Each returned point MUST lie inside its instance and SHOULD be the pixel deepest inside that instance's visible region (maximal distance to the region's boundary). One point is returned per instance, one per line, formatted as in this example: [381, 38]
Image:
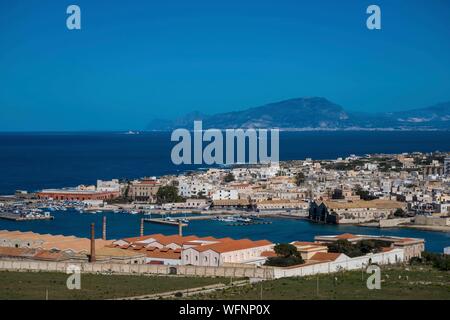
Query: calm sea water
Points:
[281, 230]
[35, 161]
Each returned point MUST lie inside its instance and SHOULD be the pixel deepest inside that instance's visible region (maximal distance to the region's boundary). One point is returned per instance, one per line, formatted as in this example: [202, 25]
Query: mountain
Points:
[314, 113]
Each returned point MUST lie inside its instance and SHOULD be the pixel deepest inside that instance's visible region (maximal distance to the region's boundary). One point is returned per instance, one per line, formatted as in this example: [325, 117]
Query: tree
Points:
[399, 213]
[337, 194]
[358, 249]
[287, 255]
[364, 194]
[286, 250]
[167, 194]
[229, 177]
[300, 178]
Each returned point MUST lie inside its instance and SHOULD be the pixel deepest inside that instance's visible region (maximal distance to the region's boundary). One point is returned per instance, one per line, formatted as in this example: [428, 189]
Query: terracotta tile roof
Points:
[268, 254]
[58, 242]
[50, 256]
[16, 252]
[116, 252]
[345, 236]
[325, 256]
[169, 254]
[34, 254]
[233, 245]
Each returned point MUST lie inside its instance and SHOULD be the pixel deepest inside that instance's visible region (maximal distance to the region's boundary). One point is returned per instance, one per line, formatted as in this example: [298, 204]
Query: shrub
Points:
[287, 255]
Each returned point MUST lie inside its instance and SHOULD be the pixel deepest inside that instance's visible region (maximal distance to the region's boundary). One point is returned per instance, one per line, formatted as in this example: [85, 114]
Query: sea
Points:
[33, 161]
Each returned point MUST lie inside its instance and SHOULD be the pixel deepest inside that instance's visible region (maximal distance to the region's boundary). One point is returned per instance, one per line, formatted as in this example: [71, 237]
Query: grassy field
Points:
[34, 285]
[397, 284]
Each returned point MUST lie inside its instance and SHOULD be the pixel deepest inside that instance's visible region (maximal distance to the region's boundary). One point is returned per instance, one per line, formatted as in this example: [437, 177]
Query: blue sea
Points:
[32, 161]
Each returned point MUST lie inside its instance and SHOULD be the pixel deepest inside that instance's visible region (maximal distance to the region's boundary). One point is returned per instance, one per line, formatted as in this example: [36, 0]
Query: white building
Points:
[189, 189]
[225, 194]
[108, 186]
[231, 251]
[447, 166]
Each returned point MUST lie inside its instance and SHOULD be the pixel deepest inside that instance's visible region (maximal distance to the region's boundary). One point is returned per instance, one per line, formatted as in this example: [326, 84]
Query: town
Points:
[380, 190]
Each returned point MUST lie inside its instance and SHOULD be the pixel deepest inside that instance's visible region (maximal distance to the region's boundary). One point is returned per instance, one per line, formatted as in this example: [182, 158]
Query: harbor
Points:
[72, 222]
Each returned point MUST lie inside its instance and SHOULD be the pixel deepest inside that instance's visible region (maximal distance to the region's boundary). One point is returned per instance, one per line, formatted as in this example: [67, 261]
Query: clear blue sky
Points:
[137, 60]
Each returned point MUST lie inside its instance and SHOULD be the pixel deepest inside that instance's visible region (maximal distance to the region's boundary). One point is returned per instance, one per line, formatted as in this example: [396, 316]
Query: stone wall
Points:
[432, 221]
[143, 269]
[387, 223]
[391, 257]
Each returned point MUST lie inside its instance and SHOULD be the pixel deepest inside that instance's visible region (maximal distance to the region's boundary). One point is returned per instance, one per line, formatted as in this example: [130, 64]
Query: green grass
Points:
[412, 282]
[398, 283]
[33, 285]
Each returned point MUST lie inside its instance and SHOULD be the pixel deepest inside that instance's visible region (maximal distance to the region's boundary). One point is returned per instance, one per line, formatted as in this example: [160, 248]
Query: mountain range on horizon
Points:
[314, 113]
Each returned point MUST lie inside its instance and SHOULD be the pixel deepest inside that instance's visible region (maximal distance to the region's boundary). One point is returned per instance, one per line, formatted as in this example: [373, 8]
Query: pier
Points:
[162, 221]
[16, 217]
[240, 224]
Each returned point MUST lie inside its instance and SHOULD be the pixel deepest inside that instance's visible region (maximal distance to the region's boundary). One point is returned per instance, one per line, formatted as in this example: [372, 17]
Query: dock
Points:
[239, 224]
[16, 217]
[162, 221]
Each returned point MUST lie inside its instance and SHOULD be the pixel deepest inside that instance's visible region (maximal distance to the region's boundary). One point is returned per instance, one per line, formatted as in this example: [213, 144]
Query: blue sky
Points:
[138, 60]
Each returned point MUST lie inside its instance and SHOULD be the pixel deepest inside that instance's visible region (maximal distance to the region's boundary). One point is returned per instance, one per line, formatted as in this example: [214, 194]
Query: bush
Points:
[438, 261]
[288, 255]
[286, 250]
[284, 261]
[361, 248]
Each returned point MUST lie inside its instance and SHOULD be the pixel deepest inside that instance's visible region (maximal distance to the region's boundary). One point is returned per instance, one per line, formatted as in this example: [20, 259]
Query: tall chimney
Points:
[180, 229]
[142, 227]
[104, 228]
[92, 256]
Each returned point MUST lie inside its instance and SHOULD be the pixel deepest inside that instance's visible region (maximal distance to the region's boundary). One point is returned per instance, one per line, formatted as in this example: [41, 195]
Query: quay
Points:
[239, 224]
[162, 221]
[15, 217]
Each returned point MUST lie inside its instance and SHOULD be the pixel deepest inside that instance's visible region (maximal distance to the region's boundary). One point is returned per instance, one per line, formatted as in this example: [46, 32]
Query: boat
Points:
[227, 219]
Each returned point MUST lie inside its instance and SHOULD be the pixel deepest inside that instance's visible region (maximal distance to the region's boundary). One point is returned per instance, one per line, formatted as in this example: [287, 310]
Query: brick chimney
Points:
[92, 255]
[180, 229]
[142, 228]
[104, 228]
